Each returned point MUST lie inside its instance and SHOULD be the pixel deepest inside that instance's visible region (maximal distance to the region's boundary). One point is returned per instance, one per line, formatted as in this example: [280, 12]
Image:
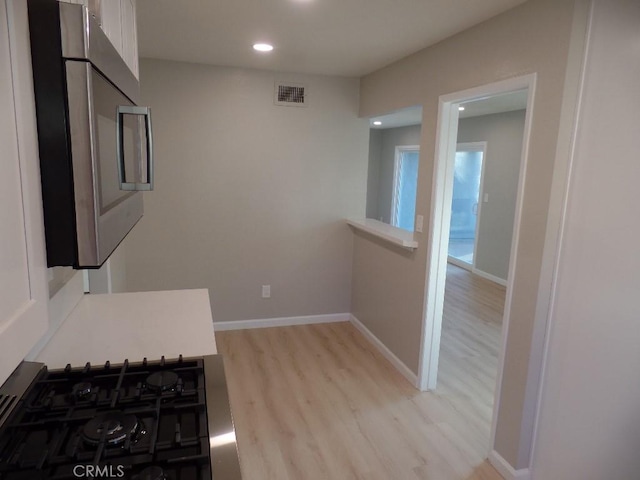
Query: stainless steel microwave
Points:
[95, 142]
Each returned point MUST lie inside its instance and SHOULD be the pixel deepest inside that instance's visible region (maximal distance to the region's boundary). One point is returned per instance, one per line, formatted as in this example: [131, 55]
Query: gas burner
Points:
[114, 427]
[162, 381]
[81, 391]
[151, 473]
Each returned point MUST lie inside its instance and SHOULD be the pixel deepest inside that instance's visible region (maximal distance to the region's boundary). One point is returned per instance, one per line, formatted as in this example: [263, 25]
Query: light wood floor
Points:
[319, 402]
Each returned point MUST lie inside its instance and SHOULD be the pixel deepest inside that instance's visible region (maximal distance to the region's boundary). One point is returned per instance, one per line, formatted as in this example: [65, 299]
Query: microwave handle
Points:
[146, 113]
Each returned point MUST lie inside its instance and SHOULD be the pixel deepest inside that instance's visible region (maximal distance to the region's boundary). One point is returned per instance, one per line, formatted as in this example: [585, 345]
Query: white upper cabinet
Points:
[118, 20]
[24, 293]
[129, 34]
[110, 20]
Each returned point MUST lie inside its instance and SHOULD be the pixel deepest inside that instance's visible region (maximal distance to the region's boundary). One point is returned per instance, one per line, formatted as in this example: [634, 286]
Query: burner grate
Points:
[110, 415]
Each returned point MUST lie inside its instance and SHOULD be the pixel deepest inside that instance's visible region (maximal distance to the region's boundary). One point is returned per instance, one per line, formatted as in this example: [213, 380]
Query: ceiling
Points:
[333, 37]
[401, 118]
[507, 102]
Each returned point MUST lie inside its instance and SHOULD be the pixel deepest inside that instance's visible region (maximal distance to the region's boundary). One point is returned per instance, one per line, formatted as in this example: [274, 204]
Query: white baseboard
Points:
[488, 276]
[459, 263]
[506, 470]
[384, 350]
[280, 322]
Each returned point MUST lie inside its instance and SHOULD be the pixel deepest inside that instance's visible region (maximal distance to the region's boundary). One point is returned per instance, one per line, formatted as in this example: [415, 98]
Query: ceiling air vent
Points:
[291, 94]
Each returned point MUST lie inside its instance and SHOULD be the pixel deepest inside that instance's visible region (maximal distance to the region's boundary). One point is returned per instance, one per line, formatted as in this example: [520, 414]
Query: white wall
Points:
[590, 415]
[503, 133]
[249, 193]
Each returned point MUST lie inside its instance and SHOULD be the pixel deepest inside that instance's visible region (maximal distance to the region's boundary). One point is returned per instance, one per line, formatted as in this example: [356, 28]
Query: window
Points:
[405, 183]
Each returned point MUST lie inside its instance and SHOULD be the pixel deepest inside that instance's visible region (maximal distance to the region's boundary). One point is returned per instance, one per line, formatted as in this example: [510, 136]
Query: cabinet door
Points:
[129, 35]
[110, 21]
[23, 276]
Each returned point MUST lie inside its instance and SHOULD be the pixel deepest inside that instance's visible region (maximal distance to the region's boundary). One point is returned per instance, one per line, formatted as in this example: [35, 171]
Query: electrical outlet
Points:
[486, 198]
[266, 291]
[419, 223]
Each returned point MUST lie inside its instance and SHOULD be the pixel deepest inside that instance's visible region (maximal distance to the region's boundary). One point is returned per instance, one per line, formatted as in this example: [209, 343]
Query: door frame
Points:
[442, 188]
[472, 147]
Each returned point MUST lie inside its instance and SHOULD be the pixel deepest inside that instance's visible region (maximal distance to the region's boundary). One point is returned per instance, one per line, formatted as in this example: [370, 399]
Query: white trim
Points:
[386, 353]
[85, 280]
[488, 276]
[100, 280]
[506, 470]
[553, 250]
[513, 257]
[280, 322]
[459, 263]
[438, 247]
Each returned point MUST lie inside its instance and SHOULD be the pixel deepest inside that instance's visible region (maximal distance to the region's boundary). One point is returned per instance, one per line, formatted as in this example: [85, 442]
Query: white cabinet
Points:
[23, 275]
[118, 21]
[111, 22]
[129, 34]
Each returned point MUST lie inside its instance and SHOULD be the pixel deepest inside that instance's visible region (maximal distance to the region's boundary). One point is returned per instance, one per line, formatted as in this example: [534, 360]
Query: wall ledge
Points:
[394, 235]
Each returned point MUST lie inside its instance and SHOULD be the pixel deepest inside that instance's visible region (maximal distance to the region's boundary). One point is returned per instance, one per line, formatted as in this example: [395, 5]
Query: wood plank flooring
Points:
[319, 402]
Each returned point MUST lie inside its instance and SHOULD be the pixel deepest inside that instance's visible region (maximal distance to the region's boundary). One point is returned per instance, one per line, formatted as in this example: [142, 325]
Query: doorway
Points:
[442, 224]
[466, 205]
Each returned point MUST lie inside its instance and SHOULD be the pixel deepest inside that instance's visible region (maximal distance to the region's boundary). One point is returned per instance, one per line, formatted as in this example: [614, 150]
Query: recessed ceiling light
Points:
[377, 122]
[262, 47]
[461, 109]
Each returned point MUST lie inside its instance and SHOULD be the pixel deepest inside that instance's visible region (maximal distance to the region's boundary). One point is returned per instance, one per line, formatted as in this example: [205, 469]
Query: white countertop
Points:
[394, 235]
[133, 325]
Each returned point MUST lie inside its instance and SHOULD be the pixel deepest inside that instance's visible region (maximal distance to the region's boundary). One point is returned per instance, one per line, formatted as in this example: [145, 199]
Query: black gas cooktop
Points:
[143, 421]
